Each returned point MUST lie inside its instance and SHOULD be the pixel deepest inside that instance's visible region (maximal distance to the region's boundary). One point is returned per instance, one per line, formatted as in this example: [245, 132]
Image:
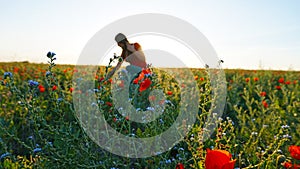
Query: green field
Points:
[39, 128]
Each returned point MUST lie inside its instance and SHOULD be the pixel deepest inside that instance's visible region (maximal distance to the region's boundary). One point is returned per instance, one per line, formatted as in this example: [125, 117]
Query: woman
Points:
[131, 53]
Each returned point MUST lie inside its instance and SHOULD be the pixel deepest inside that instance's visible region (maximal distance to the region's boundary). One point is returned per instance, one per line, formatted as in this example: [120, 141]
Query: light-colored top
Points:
[137, 57]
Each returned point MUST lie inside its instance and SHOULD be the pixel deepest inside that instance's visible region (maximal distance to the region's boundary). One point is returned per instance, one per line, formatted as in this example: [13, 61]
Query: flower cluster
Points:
[143, 79]
[295, 154]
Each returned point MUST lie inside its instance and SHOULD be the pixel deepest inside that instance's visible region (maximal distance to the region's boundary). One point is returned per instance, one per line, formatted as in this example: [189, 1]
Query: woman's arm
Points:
[112, 72]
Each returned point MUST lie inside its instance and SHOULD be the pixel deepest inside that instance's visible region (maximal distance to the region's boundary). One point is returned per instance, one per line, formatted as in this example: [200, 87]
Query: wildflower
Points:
[33, 83]
[254, 133]
[263, 94]
[37, 150]
[109, 104]
[150, 108]
[4, 155]
[265, 104]
[127, 118]
[136, 81]
[121, 84]
[71, 89]
[255, 79]
[281, 80]
[288, 82]
[41, 88]
[247, 79]
[169, 93]
[101, 79]
[161, 102]
[285, 126]
[141, 76]
[145, 84]
[179, 166]
[151, 98]
[147, 71]
[278, 87]
[295, 152]
[295, 81]
[196, 77]
[7, 74]
[50, 55]
[54, 87]
[16, 69]
[223, 159]
[201, 78]
[289, 165]
[48, 73]
[286, 136]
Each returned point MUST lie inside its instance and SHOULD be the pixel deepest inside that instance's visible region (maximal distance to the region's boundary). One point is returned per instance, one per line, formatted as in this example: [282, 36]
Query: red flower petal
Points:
[145, 84]
[218, 159]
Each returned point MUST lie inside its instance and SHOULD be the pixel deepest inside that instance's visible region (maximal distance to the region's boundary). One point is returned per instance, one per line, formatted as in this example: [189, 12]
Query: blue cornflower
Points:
[33, 83]
[4, 155]
[48, 73]
[36, 150]
[7, 74]
[50, 55]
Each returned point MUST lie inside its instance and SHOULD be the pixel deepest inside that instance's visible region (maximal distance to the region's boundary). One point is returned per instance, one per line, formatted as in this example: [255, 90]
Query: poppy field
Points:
[39, 128]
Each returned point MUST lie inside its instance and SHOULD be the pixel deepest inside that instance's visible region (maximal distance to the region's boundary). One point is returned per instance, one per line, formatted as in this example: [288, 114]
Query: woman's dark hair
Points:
[125, 51]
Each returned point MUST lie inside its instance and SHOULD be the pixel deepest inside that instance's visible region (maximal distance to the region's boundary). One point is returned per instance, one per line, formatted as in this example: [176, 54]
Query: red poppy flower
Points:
[145, 84]
[196, 77]
[41, 88]
[101, 79]
[146, 71]
[263, 94]
[109, 104]
[265, 104]
[247, 79]
[287, 164]
[281, 80]
[201, 78]
[151, 98]
[71, 89]
[136, 81]
[161, 102]
[169, 93]
[121, 84]
[288, 82]
[278, 87]
[141, 76]
[179, 166]
[295, 152]
[218, 159]
[16, 70]
[256, 79]
[54, 87]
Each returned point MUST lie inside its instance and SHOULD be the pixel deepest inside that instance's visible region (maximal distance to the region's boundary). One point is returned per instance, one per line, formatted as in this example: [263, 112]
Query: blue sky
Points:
[245, 34]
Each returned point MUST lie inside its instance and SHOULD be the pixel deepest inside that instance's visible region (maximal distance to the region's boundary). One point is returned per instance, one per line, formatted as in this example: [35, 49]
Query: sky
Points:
[248, 34]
